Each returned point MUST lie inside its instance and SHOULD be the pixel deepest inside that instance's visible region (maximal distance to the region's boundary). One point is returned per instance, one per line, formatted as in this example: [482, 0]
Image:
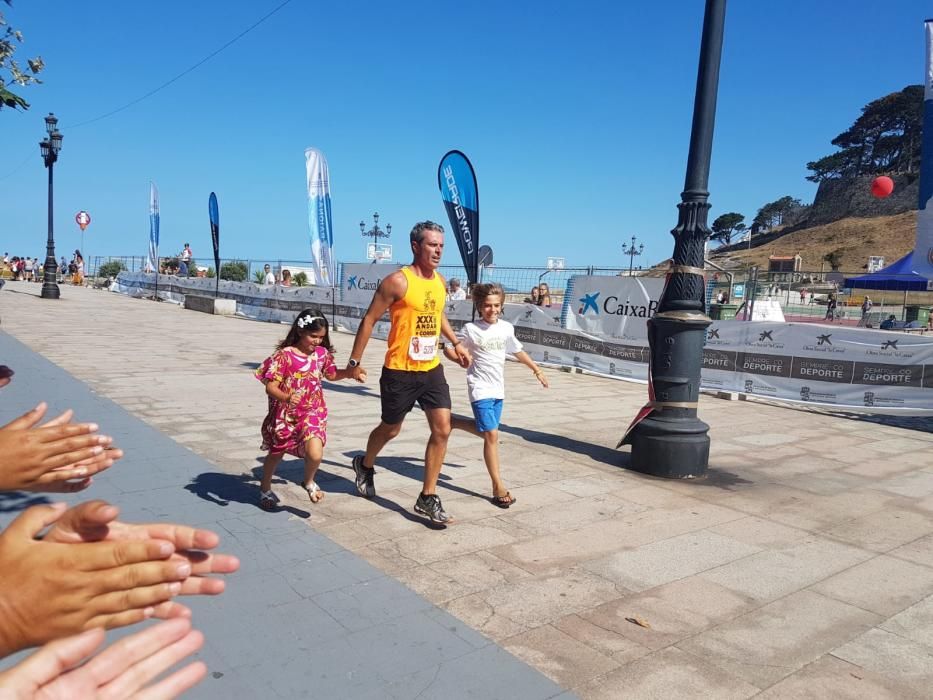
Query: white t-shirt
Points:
[489, 344]
[270, 278]
[459, 295]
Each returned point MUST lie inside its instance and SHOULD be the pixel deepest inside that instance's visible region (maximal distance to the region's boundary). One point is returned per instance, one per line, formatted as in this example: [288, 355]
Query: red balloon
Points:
[882, 186]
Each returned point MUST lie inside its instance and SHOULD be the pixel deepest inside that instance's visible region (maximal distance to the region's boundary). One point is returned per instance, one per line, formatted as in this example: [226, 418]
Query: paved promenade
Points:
[801, 567]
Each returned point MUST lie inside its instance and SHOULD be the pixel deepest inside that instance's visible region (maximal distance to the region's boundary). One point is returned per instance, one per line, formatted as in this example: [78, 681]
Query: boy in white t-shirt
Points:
[489, 340]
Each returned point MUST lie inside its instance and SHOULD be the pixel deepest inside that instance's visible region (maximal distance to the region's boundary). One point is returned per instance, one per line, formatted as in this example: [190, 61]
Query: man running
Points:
[414, 297]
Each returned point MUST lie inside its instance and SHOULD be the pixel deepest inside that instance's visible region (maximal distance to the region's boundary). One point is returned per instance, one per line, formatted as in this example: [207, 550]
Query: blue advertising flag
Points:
[214, 213]
[319, 217]
[923, 248]
[457, 182]
[152, 259]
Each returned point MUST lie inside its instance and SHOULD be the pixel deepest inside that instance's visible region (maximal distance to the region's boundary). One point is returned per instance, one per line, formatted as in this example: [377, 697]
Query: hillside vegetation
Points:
[853, 239]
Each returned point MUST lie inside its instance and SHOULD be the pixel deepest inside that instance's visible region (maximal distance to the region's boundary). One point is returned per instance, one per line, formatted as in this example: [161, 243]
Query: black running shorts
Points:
[400, 390]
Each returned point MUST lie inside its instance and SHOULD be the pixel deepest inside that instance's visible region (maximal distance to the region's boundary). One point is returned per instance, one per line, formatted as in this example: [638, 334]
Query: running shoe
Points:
[364, 478]
[432, 508]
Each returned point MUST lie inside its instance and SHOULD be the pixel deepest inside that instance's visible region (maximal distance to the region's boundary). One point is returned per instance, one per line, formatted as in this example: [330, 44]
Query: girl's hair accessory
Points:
[308, 320]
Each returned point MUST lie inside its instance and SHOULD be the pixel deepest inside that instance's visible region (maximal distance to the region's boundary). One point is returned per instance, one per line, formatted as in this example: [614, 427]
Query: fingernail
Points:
[97, 450]
[166, 548]
[93, 426]
[183, 570]
[174, 588]
[149, 612]
[81, 472]
[104, 439]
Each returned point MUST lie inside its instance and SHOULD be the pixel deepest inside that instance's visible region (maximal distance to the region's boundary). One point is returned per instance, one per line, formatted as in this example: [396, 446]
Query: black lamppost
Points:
[631, 251]
[375, 231]
[50, 146]
[673, 442]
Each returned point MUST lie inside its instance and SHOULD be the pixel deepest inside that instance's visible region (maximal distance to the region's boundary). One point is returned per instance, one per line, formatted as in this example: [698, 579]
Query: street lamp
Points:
[631, 251]
[672, 441]
[375, 231]
[50, 146]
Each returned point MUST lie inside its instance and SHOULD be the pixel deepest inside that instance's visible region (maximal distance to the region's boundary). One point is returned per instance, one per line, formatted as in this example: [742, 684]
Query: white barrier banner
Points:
[612, 307]
[845, 367]
[358, 281]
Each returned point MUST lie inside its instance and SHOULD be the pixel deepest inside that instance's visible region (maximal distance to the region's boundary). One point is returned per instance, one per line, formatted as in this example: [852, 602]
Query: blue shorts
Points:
[488, 413]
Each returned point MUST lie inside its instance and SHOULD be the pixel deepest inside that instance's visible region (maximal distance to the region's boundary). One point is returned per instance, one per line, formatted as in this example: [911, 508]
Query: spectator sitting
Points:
[286, 278]
[457, 292]
[544, 295]
[533, 297]
[888, 323]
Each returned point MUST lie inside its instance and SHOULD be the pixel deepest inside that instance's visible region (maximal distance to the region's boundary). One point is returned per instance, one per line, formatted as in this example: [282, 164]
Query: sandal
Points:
[268, 500]
[504, 501]
[314, 492]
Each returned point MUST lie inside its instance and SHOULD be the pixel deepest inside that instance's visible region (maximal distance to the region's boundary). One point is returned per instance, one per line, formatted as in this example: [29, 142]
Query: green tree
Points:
[726, 225]
[783, 211]
[300, 280]
[11, 73]
[111, 268]
[834, 259]
[234, 271]
[885, 138]
[259, 277]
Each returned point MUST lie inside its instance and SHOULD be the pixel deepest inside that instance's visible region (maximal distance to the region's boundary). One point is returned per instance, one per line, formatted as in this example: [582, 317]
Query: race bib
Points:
[422, 349]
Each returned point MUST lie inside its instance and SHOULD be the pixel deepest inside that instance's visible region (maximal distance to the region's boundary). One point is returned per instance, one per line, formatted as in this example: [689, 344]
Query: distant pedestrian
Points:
[78, 274]
[28, 269]
[296, 422]
[866, 306]
[831, 307]
[268, 278]
[62, 269]
[490, 340]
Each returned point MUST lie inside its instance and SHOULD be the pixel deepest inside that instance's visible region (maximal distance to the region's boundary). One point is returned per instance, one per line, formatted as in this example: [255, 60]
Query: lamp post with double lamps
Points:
[375, 231]
[631, 251]
[672, 441]
[50, 146]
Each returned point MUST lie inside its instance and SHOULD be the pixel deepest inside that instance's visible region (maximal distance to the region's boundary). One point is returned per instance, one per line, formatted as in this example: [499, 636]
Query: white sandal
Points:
[268, 500]
[314, 492]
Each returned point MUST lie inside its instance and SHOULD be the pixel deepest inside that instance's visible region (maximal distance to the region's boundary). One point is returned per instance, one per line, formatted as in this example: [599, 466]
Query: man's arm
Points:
[390, 290]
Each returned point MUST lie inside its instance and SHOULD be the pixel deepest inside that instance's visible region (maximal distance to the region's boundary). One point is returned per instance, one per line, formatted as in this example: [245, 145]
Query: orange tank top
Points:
[416, 324]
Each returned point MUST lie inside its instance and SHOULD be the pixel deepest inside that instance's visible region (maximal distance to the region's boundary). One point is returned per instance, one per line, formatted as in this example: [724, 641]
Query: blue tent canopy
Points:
[898, 276]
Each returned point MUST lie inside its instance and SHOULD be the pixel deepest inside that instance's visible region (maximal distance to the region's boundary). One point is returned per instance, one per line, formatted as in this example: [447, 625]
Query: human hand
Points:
[50, 590]
[293, 399]
[539, 375]
[36, 457]
[96, 521]
[463, 355]
[60, 669]
[358, 373]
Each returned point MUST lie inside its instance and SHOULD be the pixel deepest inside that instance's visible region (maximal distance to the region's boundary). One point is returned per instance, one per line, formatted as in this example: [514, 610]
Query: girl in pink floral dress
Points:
[296, 423]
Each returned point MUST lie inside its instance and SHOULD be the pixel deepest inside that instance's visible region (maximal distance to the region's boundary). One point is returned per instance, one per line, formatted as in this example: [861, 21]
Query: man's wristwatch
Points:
[353, 363]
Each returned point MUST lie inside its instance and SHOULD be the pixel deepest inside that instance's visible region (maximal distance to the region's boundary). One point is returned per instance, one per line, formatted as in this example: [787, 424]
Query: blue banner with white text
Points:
[457, 183]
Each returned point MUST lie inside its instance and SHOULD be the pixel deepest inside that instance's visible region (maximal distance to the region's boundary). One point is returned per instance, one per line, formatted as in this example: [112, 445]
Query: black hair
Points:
[307, 321]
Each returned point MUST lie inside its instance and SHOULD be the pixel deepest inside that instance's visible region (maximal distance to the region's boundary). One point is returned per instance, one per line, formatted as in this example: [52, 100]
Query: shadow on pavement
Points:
[598, 453]
[222, 489]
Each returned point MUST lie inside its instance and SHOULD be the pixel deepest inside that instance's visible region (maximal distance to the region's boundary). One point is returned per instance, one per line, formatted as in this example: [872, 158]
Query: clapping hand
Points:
[60, 669]
[96, 521]
[49, 457]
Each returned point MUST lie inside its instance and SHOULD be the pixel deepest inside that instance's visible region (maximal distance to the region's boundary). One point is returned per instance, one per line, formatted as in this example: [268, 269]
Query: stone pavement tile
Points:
[760, 532]
[829, 677]
[587, 486]
[778, 572]
[602, 639]
[653, 564]
[557, 552]
[896, 445]
[673, 612]
[791, 468]
[814, 512]
[891, 656]
[760, 439]
[877, 468]
[500, 679]
[825, 443]
[765, 645]
[883, 530]
[434, 585]
[915, 623]
[369, 603]
[665, 674]
[826, 483]
[919, 551]
[918, 484]
[534, 602]
[559, 656]
[570, 513]
[476, 612]
[883, 585]
[448, 542]
[480, 570]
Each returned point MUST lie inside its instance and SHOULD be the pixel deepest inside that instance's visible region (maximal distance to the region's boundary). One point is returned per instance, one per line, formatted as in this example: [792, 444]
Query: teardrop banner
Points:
[457, 182]
[214, 213]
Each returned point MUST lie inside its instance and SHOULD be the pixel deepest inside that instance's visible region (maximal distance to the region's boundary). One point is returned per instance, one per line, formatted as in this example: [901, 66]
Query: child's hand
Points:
[293, 399]
[539, 375]
[359, 374]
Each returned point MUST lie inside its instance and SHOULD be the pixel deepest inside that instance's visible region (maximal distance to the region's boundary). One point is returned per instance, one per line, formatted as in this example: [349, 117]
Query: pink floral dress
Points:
[287, 429]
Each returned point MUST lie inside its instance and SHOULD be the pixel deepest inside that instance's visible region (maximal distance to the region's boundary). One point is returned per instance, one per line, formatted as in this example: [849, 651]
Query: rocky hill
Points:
[853, 238]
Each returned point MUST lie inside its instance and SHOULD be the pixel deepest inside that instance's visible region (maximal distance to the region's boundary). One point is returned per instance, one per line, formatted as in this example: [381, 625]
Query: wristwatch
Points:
[353, 363]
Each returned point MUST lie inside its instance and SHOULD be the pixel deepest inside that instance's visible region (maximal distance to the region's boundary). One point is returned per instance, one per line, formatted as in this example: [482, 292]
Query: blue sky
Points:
[576, 117]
